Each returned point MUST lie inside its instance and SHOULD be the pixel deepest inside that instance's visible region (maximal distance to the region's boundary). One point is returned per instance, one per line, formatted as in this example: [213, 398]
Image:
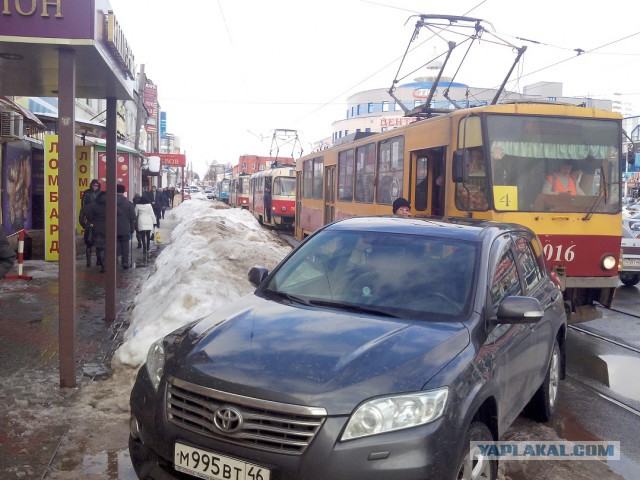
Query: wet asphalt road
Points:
[600, 398]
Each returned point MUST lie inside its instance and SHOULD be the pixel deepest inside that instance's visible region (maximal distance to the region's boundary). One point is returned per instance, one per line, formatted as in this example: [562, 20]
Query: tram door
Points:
[428, 181]
[329, 194]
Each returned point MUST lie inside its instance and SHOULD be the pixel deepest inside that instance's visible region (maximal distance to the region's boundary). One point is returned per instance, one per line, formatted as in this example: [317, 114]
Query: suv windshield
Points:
[394, 274]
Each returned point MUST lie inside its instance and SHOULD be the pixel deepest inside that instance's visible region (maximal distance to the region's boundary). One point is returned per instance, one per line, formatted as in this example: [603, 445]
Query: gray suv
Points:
[380, 348]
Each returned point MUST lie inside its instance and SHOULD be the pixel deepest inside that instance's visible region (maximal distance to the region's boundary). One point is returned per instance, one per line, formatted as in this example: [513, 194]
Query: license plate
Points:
[213, 466]
[631, 262]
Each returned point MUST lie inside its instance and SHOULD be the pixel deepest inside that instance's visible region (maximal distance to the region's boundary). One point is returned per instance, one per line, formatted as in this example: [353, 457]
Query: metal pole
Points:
[67, 205]
[111, 255]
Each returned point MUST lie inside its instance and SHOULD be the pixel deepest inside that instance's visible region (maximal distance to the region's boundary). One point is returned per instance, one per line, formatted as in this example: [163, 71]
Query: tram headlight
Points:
[608, 262]
[284, 209]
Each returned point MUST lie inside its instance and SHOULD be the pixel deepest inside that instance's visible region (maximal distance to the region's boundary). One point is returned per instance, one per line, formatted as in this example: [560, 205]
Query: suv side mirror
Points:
[257, 275]
[514, 310]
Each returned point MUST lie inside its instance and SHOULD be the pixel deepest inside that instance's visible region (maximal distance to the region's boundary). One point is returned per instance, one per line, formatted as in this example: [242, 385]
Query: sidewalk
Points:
[33, 421]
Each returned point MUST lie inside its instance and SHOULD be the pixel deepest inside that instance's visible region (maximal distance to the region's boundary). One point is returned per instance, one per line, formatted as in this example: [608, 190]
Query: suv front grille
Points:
[265, 425]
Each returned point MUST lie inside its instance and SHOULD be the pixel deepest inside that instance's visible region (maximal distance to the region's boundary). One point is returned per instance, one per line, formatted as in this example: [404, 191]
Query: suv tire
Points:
[471, 465]
[542, 406]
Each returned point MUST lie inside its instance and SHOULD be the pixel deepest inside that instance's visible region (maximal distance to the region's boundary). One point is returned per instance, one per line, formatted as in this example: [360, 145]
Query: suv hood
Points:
[311, 356]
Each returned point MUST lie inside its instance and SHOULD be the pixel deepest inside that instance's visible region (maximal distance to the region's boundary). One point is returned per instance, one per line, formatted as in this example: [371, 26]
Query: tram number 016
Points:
[559, 253]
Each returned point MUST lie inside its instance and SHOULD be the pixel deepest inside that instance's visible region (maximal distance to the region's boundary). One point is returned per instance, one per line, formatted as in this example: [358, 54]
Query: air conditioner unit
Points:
[11, 125]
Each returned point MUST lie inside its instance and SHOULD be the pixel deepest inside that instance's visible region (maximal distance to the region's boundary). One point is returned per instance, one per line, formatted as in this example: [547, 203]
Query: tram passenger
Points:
[562, 182]
[401, 207]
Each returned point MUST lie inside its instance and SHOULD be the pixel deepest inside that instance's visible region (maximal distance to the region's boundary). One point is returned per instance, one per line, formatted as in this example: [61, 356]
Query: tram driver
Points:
[562, 181]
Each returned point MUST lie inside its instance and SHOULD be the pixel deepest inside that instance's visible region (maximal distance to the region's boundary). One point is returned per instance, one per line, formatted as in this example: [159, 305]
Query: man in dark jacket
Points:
[95, 214]
[157, 200]
[7, 254]
[125, 224]
[88, 197]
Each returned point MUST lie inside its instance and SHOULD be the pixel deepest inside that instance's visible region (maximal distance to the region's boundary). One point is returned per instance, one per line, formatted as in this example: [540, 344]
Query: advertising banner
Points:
[150, 100]
[51, 200]
[16, 188]
[122, 172]
[84, 176]
[173, 159]
[163, 124]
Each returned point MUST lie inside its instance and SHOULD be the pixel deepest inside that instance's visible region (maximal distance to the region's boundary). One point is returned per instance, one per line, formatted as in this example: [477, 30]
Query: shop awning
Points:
[10, 105]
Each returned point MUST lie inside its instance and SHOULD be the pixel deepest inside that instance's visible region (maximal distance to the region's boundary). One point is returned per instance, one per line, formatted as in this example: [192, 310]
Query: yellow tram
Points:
[507, 162]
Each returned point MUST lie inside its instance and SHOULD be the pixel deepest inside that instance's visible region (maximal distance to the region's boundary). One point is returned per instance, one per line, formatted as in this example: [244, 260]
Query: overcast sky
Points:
[230, 72]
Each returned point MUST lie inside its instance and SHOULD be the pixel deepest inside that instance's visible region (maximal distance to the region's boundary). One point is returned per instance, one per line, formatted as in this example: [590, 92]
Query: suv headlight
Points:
[386, 414]
[155, 363]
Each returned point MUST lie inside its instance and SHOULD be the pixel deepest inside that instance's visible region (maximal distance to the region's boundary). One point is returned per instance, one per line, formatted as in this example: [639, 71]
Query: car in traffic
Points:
[630, 262]
[379, 348]
[630, 210]
[208, 192]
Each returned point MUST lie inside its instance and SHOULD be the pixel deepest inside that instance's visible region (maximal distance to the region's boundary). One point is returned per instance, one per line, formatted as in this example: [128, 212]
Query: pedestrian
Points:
[125, 224]
[164, 199]
[91, 193]
[136, 201]
[88, 197]
[7, 254]
[145, 219]
[96, 216]
[401, 207]
[156, 200]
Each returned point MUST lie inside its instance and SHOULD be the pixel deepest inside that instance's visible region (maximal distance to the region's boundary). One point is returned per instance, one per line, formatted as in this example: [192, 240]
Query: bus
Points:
[223, 190]
[492, 162]
[272, 196]
[239, 191]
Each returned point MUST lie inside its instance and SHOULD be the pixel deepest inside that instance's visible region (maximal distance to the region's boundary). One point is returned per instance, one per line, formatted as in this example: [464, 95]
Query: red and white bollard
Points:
[22, 234]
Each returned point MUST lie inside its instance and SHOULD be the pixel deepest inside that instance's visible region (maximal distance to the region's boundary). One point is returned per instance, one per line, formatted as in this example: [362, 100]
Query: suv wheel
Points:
[542, 406]
[472, 465]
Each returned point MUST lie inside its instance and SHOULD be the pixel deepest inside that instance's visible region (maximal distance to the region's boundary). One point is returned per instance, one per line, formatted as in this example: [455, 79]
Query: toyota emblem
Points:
[227, 419]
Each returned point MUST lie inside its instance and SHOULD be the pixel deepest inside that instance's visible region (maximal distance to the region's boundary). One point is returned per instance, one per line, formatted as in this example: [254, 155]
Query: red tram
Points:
[239, 191]
[272, 196]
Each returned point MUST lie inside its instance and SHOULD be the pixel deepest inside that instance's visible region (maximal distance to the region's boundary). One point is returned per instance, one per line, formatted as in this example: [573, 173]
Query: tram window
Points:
[390, 170]
[472, 194]
[312, 178]
[422, 165]
[345, 175]
[364, 173]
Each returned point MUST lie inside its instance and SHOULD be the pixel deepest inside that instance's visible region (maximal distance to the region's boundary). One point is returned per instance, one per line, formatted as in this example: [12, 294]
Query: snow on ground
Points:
[204, 267]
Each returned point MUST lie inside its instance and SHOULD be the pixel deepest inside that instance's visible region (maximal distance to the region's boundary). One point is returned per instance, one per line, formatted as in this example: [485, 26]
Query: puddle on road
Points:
[622, 374]
[616, 372]
[110, 465]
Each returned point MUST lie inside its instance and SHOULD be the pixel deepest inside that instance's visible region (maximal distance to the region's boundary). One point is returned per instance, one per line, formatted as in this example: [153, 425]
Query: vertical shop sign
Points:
[83, 174]
[51, 195]
[163, 124]
[150, 101]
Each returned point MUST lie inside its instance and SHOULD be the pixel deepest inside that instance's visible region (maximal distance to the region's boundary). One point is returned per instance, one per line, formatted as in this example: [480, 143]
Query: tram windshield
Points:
[554, 164]
[244, 186]
[285, 186]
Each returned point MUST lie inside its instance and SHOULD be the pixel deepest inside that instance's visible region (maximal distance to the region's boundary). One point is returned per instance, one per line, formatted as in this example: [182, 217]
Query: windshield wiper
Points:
[288, 296]
[601, 195]
[353, 307]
